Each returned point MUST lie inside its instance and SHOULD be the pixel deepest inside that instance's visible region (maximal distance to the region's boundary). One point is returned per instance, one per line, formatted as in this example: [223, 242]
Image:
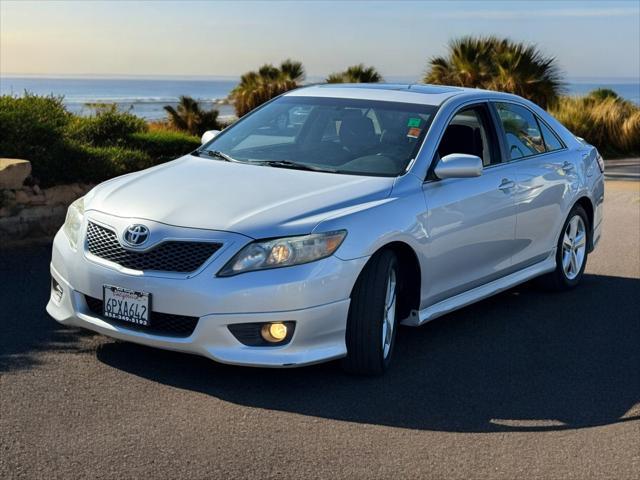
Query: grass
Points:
[610, 123]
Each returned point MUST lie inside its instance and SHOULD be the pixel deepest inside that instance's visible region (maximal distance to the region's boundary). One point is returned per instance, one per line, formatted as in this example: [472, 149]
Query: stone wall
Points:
[30, 213]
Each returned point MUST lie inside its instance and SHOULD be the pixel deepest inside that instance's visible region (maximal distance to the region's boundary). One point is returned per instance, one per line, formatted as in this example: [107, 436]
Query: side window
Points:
[521, 130]
[551, 140]
[469, 132]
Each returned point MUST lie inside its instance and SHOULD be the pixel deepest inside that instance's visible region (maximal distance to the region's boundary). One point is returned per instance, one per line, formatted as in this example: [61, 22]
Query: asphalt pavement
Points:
[623, 169]
[527, 384]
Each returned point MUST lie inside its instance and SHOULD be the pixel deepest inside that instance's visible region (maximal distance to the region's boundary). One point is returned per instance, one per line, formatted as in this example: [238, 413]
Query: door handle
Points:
[506, 185]
[567, 166]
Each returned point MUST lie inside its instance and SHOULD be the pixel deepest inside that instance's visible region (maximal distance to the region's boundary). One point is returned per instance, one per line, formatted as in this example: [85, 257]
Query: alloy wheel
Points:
[389, 320]
[574, 247]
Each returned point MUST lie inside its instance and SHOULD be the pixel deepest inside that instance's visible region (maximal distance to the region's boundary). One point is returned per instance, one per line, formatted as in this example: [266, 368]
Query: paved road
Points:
[623, 169]
[523, 385]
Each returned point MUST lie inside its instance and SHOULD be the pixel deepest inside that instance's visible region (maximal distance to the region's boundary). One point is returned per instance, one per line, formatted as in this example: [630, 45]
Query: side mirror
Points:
[209, 135]
[459, 165]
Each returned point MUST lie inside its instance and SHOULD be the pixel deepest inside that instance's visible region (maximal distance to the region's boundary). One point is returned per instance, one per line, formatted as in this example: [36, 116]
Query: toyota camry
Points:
[312, 227]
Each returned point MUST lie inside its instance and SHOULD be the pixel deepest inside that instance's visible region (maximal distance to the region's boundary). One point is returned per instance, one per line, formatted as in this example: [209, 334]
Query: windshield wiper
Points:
[297, 166]
[222, 156]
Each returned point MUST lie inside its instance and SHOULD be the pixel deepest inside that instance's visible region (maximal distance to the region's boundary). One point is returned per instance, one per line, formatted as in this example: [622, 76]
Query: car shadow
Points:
[522, 360]
[26, 330]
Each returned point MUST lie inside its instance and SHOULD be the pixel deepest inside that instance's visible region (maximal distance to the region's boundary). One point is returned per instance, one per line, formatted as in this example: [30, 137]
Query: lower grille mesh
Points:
[164, 324]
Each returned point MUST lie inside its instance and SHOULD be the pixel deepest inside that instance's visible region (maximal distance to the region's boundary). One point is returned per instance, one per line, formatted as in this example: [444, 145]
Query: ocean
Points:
[143, 97]
[146, 97]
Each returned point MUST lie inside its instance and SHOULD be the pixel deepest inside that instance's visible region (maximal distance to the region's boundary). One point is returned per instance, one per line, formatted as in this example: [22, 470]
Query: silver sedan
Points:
[312, 227]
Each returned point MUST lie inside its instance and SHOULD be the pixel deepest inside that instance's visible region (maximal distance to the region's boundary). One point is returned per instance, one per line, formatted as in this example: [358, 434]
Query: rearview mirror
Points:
[459, 165]
[209, 135]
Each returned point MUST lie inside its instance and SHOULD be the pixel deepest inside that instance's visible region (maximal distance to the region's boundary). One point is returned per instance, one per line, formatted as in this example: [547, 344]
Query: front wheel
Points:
[371, 325]
[571, 254]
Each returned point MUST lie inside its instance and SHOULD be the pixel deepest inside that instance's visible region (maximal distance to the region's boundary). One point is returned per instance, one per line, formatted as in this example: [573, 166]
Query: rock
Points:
[22, 197]
[36, 190]
[13, 172]
[9, 196]
[62, 194]
[38, 200]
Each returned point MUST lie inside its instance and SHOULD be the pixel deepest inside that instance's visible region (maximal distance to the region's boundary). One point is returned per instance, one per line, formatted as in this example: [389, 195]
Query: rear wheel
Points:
[372, 321]
[571, 254]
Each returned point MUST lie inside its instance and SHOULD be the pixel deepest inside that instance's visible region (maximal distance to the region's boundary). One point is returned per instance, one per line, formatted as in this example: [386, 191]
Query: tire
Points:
[563, 277]
[367, 323]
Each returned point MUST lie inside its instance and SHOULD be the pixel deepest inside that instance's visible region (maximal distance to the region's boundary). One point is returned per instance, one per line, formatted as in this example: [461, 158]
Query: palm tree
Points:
[498, 64]
[257, 87]
[602, 94]
[356, 74]
[189, 117]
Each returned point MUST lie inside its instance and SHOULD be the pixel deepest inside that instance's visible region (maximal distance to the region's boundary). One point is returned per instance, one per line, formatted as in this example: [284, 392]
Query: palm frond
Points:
[498, 64]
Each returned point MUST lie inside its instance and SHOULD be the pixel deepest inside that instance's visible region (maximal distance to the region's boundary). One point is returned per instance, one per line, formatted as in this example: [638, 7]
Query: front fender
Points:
[400, 218]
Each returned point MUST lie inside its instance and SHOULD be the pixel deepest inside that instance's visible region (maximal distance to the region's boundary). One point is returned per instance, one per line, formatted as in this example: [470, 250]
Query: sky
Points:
[194, 38]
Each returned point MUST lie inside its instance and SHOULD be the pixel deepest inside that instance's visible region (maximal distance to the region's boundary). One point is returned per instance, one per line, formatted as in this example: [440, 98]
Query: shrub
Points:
[32, 127]
[91, 164]
[606, 121]
[162, 146]
[108, 127]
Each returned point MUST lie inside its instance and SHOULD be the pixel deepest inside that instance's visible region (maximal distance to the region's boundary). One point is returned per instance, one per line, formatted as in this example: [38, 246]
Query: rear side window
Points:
[551, 140]
[521, 130]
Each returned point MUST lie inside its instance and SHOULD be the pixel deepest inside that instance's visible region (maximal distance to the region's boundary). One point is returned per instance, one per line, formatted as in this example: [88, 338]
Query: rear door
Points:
[471, 221]
[544, 174]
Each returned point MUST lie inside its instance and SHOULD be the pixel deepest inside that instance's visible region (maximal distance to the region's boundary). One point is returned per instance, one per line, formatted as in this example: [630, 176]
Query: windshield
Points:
[338, 135]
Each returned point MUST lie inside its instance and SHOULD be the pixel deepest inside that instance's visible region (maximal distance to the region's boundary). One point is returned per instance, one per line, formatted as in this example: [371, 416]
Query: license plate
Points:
[126, 305]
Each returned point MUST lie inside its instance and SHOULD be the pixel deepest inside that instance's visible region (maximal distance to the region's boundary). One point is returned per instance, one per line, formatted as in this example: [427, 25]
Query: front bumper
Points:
[315, 296]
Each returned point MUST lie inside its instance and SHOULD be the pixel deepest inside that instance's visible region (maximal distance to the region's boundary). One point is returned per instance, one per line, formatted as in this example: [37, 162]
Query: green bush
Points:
[95, 164]
[65, 148]
[32, 127]
[108, 127]
[162, 146]
[604, 120]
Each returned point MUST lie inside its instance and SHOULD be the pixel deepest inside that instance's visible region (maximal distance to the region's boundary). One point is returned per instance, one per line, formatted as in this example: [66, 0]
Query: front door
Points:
[471, 221]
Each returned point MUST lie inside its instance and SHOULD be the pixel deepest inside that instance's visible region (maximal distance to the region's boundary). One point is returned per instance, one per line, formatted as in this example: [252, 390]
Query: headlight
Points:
[283, 252]
[73, 222]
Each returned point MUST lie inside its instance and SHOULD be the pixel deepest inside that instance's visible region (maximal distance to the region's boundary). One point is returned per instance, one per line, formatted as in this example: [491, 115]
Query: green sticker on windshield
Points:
[413, 122]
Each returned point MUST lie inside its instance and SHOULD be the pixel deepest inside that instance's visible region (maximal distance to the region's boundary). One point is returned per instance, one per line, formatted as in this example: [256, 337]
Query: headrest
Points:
[357, 132]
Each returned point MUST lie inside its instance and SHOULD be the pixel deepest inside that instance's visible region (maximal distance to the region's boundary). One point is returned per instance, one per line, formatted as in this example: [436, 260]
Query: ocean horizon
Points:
[146, 96]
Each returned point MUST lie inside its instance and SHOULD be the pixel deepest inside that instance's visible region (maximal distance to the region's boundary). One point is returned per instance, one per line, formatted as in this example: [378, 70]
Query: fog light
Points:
[56, 290]
[274, 332]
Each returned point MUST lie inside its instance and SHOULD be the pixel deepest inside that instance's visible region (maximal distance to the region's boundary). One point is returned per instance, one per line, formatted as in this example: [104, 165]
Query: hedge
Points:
[163, 145]
[33, 128]
[92, 164]
[107, 127]
[66, 148]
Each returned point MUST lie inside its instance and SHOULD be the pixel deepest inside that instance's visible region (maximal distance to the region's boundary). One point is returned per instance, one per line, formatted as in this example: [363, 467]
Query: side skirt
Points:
[443, 307]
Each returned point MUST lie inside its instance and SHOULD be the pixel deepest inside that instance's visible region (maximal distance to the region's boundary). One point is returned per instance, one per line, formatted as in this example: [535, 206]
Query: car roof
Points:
[393, 92]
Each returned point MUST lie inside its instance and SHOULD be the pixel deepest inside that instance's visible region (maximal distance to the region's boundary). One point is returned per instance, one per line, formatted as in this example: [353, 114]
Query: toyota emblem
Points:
[136, 235]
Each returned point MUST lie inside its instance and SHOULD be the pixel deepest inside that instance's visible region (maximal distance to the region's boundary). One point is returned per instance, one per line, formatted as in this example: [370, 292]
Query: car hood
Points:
[257, 201]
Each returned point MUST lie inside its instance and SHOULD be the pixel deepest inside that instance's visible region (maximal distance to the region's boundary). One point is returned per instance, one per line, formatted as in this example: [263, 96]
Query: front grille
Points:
[164, 324]
[171, 256]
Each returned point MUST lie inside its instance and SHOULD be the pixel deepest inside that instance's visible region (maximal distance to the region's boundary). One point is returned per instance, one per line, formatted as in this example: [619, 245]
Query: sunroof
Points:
[415, 87]
[422, 88]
